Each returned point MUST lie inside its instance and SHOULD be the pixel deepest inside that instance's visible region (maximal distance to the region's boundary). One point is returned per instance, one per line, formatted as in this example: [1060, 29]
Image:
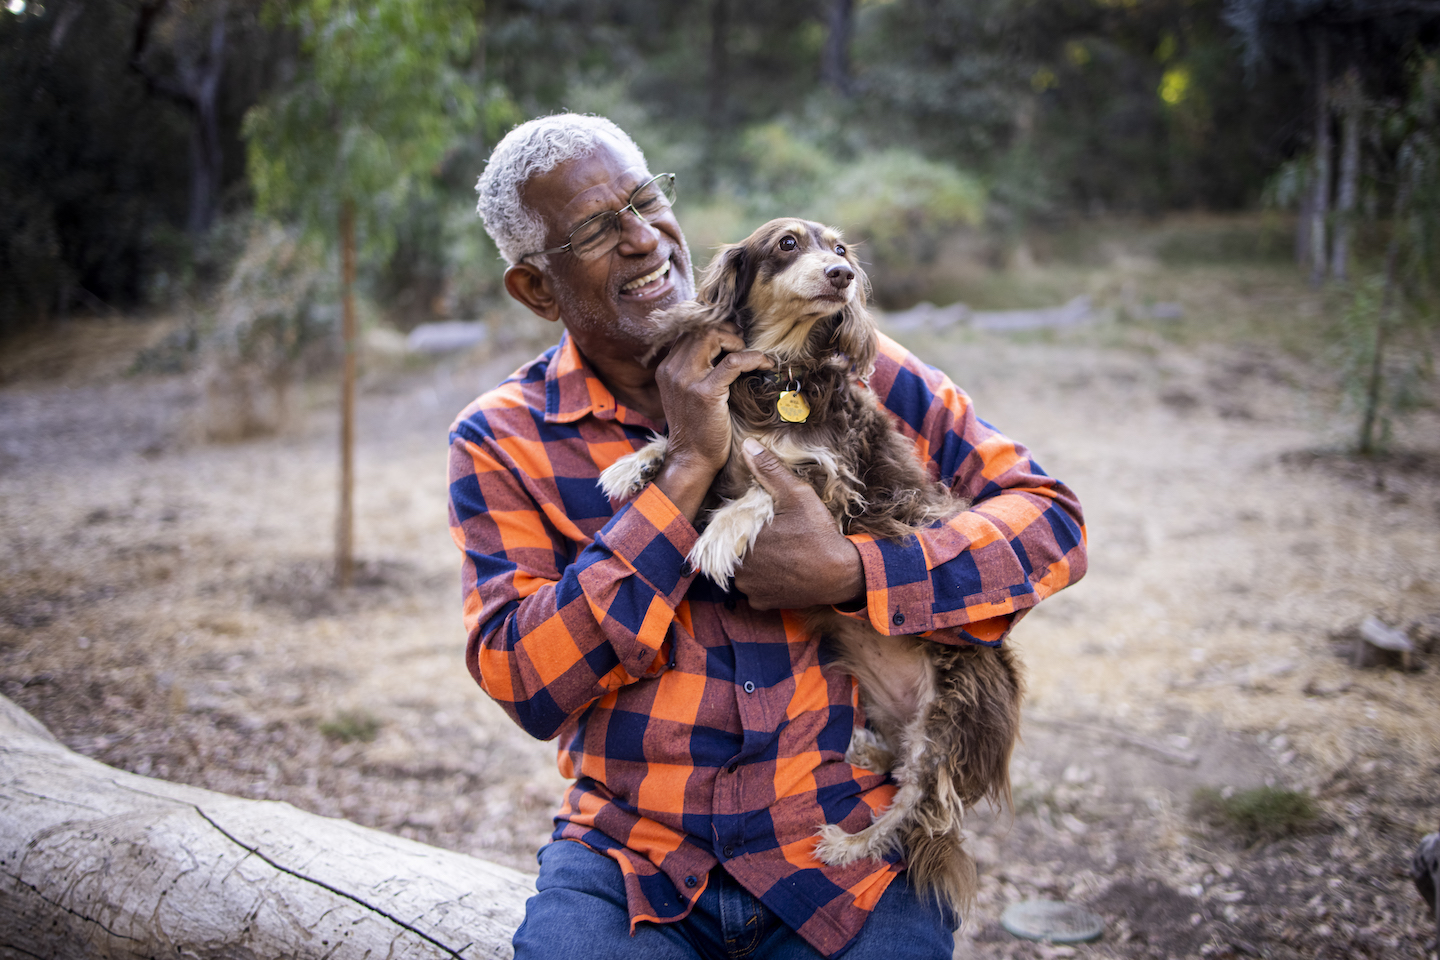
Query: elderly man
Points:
[703, 728]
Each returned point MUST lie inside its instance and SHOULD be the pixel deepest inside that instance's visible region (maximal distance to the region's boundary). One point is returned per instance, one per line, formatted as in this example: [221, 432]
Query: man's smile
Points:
[652, 284]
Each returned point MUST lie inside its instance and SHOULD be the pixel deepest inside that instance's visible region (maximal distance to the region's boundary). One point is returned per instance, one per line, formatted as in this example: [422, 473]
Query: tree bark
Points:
[835, 58]
[97, 862]
[195, 87]
[345, 519]
[1320, 206]
[719, 80]
[1371, 416]
[1352, 107]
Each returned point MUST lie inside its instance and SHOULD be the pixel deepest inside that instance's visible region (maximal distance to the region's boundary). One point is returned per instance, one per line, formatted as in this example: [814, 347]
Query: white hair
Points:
[533, 148]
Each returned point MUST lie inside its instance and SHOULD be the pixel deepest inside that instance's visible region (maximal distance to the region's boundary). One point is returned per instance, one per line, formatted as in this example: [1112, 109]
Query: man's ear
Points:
[530, 286]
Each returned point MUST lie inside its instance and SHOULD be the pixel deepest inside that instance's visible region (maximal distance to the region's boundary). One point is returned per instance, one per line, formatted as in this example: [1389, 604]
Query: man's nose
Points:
[637, 235]
[840, 275]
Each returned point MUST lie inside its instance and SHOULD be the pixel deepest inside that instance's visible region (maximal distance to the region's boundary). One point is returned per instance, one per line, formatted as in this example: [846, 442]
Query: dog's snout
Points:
[840, 275]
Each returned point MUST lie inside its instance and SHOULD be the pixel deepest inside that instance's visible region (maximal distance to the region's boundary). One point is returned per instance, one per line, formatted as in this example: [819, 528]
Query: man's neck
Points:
[642, 398]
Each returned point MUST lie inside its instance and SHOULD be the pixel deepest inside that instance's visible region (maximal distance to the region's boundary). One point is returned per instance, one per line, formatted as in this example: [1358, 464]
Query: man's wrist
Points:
[850, 583]
[686, 483]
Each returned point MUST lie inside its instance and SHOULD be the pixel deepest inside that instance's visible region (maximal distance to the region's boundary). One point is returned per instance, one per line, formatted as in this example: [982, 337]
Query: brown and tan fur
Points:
[944, 716]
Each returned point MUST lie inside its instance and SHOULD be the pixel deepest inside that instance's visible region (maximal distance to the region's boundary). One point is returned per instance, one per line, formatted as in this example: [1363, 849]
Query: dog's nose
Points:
[840, 275]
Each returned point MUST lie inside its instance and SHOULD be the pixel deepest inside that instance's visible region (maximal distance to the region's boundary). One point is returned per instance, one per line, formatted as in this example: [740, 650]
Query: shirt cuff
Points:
[899, 598]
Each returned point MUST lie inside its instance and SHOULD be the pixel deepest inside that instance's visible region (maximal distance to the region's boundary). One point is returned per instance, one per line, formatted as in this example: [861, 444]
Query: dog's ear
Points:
[724, 288]
[727, 280]
[855, 330]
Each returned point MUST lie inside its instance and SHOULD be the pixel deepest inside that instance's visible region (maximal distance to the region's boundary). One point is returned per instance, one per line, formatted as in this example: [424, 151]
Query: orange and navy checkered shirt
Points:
[697, 730]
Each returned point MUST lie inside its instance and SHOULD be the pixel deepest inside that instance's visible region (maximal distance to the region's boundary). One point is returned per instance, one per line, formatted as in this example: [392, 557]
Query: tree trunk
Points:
[719, 80]
[835, 58]
[97, 862]
[1320, 207]
[1371, 416]
[207, 159]
[195, 87]
[345, 521]
[1352, 107]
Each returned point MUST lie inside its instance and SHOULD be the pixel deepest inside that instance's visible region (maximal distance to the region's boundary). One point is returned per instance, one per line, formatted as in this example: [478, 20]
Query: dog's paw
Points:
[836, 847]
[716, 556]
[869, 752]
[731, 530]
[627, 476]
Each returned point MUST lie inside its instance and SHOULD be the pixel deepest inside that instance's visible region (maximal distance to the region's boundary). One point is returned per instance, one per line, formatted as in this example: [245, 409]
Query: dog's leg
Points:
[838, 848]
[732, 528]
[627, 476]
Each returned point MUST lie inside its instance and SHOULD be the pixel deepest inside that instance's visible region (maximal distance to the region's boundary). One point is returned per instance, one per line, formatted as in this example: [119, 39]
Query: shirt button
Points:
[898, 619]
[691, 881]
[729, 852]
[749, 686]
[732, 768]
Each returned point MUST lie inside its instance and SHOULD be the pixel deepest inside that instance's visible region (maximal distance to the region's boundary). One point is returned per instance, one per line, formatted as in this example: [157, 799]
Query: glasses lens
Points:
[599, 235]
[595, 236]
[653, 198]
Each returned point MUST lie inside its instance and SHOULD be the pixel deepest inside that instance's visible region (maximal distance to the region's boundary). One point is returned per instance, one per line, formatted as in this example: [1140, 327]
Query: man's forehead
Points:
[576, 189]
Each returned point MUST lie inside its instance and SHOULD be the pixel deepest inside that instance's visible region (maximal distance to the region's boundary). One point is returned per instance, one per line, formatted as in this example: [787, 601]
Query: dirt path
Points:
[166, 609]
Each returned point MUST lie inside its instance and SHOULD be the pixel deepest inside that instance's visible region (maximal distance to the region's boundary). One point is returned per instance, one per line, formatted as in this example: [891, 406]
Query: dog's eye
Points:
[840, 249]
[787, 243]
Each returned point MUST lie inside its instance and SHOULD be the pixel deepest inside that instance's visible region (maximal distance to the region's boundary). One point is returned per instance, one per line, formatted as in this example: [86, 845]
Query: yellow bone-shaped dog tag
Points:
[792, 406]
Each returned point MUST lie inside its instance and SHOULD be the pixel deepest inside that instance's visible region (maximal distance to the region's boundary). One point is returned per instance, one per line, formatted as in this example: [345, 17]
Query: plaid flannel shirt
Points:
[697, 730]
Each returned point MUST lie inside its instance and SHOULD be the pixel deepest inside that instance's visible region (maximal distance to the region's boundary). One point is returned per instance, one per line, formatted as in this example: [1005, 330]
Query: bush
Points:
[897, 207]
[903, 207]
[1264, 813]
[276, 314]
[351, 725]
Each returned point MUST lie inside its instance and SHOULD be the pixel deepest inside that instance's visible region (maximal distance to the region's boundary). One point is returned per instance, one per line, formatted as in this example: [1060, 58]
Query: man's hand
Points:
[695, 392]
[800, 559]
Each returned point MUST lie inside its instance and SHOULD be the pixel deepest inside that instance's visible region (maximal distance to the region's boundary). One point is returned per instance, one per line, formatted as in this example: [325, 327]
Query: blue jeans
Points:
[580, 912]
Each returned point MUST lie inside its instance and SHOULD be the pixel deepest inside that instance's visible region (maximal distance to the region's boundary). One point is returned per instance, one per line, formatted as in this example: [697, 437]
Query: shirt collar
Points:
[572, 391]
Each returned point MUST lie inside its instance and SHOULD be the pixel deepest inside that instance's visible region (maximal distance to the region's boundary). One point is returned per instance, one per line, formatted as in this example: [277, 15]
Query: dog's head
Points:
[794, 286]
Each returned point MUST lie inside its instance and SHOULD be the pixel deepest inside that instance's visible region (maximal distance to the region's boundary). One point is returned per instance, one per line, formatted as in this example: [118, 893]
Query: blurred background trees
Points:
[123, 181]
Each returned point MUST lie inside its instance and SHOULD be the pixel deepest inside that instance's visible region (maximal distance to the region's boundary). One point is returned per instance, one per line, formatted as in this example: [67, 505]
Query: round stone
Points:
[1051, 920]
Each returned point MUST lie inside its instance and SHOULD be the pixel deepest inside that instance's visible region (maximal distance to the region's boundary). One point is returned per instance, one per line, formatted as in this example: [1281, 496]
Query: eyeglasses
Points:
[601, 233]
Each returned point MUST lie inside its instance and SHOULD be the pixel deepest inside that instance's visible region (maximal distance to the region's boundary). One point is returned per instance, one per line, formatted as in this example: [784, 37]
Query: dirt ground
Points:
[167, 608]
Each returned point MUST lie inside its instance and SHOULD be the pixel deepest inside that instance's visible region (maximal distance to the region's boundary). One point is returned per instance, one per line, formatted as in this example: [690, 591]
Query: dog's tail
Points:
[940, 866]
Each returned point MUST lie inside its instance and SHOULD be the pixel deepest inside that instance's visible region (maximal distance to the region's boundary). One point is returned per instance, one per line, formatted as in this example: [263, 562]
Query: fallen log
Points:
[97, 862]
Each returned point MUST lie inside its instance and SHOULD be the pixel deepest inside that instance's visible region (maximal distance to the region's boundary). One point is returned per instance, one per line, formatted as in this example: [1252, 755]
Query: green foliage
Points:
[903, 204]
[349, 726]
[1264, 813]
[278, 305]
[381, 99]
[1404, 368]
[1385, 351]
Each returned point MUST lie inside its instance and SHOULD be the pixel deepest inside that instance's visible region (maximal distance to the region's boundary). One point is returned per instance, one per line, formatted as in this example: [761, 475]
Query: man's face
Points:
[603, 302]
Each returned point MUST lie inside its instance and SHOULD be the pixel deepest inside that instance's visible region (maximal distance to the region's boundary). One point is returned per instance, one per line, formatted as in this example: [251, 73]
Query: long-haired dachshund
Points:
[944, 716]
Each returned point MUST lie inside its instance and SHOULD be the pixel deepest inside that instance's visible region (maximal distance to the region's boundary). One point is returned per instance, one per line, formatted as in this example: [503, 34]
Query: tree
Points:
[104, 863]
[198, 53]
[362, 131]
[1408, 282]
[1371, 41]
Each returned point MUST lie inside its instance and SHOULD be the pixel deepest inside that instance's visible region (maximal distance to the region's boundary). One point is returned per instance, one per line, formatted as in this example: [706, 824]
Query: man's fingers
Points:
[729, 367]
[773, 475]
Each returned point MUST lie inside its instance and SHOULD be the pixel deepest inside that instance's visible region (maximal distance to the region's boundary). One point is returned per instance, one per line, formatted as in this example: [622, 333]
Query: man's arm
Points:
[555, 619]
[1021, 540]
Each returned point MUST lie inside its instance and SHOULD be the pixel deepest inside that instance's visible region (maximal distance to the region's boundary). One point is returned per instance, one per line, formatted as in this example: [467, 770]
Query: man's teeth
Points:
[639, 282]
